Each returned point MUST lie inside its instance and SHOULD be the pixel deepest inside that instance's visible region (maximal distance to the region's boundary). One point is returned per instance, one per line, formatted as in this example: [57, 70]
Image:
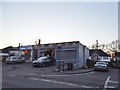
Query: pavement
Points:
[77, 71]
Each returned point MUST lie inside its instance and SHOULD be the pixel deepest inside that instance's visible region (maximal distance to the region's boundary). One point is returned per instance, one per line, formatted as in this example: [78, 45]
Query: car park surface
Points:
[25, 76]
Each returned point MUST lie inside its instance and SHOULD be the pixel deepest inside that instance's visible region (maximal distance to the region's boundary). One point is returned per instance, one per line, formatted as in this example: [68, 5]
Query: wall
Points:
[86, 54]
[81, 62]
[66, 53]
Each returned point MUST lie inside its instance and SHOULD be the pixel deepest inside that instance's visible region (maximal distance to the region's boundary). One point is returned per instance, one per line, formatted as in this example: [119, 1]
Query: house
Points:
[7, 51]
[98, 54]
[117, 55]
[72, 51]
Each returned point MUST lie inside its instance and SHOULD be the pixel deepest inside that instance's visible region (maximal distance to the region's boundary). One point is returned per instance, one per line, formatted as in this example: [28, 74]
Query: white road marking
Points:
[63, 83]
[110, 81]
[106, 82]
[34, 78]
[66, 83]
[66, 75]
[110, 87]
[54, 75]
[58, 82]
[85, 73]
[86, 86]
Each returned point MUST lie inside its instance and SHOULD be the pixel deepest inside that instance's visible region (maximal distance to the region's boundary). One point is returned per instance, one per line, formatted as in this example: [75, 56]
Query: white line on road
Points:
[65, 75]
[110, 87]
[54, 75]
[86, 86]
[110, 81]
[34, 78]
[63, 83]
[58, 82]
[106, 82]
[85, 73]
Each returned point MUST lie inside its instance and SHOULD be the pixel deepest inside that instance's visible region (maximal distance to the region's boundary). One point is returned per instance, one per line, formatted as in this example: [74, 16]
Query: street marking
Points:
[54, 75]
[63, 83]
[34, 78]
[85, 73]
[110, 87]
[86, 86]
[66, 75]
[110, 81]
[58, 82]
[106, 82]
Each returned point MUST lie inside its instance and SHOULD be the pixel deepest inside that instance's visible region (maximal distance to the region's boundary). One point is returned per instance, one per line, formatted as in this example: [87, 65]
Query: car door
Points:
[15, 59]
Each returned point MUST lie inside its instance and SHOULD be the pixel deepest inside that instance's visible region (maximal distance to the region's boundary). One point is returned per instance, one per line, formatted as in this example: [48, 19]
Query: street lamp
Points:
[59, 51]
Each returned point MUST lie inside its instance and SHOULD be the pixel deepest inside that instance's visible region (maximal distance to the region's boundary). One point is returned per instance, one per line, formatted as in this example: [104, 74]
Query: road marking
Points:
[34, 78]
[63, 83]
[106, 82]
[66, 83]
[54, 75]
[110, 87]
[31, 74]
[66, 75]
[85, 73]
[86, 86]
[110, 81]
[58, 82]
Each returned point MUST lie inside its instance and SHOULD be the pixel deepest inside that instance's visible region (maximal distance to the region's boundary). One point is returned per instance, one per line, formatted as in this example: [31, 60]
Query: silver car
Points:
[101, 66]
[14, 59]
[44, 61]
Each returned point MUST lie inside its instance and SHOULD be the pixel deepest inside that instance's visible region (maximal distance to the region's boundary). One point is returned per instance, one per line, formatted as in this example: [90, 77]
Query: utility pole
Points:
[59, 51]
[97, 48]
[19, 46]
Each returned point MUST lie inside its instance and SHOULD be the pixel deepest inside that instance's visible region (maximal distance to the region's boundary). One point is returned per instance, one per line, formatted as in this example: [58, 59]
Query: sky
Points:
[52, 22]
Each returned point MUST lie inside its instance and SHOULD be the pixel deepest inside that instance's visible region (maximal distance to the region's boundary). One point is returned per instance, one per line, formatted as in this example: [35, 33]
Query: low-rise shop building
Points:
[73, 52]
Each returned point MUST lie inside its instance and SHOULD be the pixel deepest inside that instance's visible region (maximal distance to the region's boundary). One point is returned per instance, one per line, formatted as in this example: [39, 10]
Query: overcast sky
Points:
[26, 22]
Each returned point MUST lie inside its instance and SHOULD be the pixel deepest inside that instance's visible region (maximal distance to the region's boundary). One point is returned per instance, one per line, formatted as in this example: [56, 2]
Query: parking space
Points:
[83, 78]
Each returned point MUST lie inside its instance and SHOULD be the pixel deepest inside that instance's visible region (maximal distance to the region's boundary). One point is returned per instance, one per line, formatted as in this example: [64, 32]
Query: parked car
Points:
[101, 66]
[13, 60]
[44, 61]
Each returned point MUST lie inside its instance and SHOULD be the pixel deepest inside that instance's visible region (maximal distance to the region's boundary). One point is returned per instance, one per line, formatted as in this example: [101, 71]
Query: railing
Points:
[68, 63]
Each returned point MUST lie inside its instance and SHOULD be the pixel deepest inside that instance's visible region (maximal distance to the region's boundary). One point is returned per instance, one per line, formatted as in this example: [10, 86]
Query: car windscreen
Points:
[100, 63]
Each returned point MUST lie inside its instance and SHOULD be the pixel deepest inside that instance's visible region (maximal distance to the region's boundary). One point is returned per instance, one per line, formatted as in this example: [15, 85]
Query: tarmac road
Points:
[25, 76]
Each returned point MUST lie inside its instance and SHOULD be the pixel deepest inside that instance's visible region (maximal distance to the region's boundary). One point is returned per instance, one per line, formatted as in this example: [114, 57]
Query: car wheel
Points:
[43, 65]
[7, 63]
[54, 63]
[34, 66]
[12, 62]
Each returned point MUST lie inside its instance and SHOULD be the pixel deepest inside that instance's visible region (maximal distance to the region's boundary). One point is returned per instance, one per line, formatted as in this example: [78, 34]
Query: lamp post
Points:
[59, 51]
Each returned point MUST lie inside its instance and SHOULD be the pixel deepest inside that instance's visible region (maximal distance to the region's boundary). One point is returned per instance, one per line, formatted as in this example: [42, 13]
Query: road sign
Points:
[59, 48]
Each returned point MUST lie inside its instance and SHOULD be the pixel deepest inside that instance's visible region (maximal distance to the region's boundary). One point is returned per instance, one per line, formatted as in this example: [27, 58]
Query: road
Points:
[25, 76]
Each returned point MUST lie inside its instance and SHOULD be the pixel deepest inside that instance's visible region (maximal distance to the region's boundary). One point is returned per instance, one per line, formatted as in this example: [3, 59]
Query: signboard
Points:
[59, 48]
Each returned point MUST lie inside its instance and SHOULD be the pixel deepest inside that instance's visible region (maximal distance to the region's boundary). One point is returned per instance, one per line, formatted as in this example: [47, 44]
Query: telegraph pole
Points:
[97, 48]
